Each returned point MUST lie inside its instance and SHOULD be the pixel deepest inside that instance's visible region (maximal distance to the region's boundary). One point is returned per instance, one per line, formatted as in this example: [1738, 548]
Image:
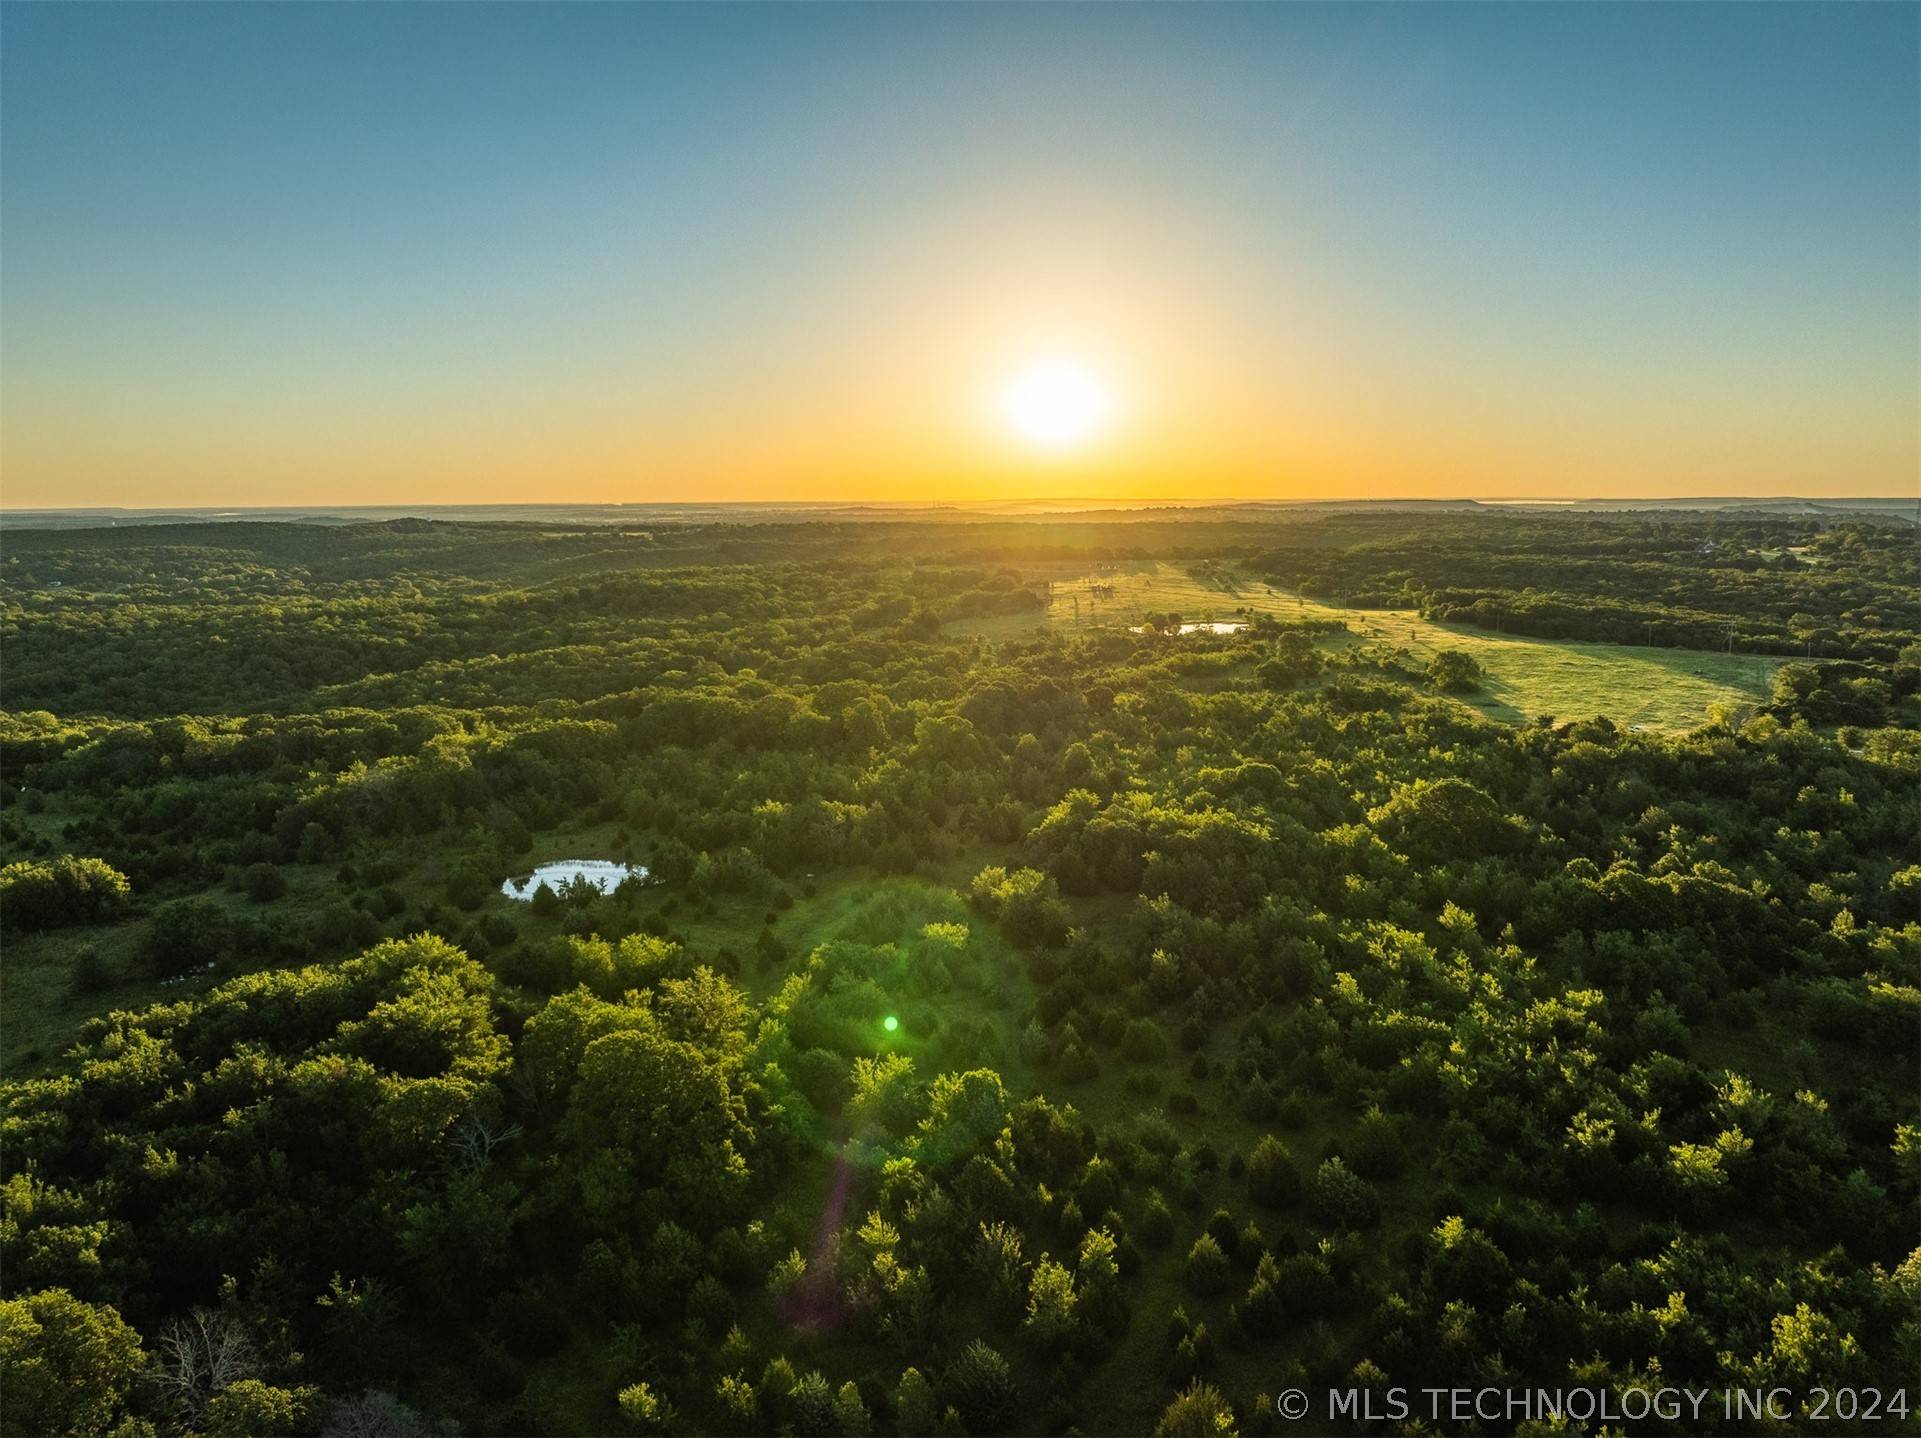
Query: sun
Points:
[1056, 404]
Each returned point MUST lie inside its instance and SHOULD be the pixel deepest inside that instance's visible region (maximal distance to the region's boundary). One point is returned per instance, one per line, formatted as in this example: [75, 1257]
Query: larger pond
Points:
[1222, 626]
[604, 874]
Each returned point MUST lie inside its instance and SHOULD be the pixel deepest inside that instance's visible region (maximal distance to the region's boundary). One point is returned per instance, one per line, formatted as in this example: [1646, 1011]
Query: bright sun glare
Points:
[1056, 404]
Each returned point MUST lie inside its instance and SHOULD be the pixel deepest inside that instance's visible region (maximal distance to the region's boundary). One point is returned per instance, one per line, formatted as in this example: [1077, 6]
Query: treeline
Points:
[1823, 589]
[162, 652]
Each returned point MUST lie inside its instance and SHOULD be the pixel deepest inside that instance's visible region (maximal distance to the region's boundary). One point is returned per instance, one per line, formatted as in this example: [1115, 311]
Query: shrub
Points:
[1464, 1263]
[1193, 1033]
[981, 1387]
[824, 1077]
[467, 887]
[739, 1405]
[340, 926]
[1307, 1283]
[1257, 1100]
[249, 1408]
[46, 894]
[1455, 671]
[1195, 1351]
[1026, 902]
[998, 1259]
[1157, 1135]
[1051, 1319]
[1198, 1411]
[777, 1381]
[1436, 821]
[812, 1406]
[1221, 1229]
[264, 883]
[89, 973]
[788, 1275]
[1078, 1062]
[70, 1365]
[1143, 1042]
[1342, 1199]
[1263, 1313]
[1374, 1147]
[1271, 1176]
[711, 1303]
[851, 1418]
[1156, 1227]
[643, 1409]
[914, 1403]
[545, 967]
[1206, 1266]
[186, 934]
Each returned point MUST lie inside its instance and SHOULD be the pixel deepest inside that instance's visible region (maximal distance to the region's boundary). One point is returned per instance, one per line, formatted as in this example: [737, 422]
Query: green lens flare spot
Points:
[890, 1023]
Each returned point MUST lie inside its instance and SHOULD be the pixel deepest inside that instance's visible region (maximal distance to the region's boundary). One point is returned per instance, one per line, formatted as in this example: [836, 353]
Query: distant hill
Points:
[815, 512]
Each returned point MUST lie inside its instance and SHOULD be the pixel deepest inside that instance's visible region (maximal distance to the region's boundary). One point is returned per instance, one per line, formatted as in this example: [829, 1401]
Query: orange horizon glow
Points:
[1320, 407]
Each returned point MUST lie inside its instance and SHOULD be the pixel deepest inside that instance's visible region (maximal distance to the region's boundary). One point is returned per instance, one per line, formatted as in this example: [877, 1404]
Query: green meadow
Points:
[1669, 690]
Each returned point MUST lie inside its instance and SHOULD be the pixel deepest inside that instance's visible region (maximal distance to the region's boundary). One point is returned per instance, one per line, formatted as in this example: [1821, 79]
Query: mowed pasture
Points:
[1651, 688]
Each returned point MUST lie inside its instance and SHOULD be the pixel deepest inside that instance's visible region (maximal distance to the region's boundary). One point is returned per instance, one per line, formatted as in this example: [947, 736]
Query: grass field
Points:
[1662, 689]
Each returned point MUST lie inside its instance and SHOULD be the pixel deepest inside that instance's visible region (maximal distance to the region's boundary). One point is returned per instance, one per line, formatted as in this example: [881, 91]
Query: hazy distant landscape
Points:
[823, 511]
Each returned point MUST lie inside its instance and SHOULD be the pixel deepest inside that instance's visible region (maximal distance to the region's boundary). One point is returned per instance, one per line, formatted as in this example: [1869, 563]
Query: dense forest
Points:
[1001, 1029]
[1763, 584]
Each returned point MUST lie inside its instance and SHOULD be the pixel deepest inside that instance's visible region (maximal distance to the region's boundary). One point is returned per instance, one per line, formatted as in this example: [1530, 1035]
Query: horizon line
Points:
[1107, 501]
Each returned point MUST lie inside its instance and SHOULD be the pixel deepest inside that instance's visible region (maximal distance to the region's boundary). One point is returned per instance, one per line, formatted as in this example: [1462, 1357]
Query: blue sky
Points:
[250, 253]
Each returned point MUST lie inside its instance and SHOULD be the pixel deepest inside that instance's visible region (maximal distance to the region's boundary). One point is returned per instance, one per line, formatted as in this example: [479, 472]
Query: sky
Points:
[354, 254]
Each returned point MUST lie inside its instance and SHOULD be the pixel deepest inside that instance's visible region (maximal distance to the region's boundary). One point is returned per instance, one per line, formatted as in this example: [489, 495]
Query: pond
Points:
[603, 874]
[1221, 626]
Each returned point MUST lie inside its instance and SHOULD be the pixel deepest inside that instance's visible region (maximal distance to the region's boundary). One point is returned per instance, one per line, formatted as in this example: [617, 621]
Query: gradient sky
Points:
[300, 254]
